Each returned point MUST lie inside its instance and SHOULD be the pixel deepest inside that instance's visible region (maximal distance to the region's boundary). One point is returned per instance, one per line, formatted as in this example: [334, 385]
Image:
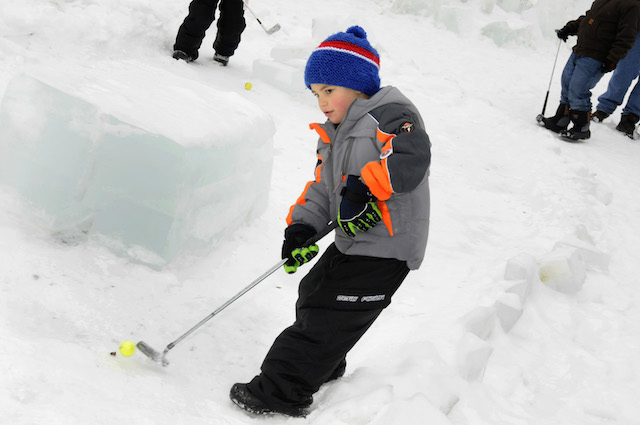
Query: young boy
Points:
[605, 34]
[372, 179]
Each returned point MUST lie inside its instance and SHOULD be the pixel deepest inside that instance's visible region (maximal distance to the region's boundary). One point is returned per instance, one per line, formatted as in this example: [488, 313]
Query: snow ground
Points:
[526, 309]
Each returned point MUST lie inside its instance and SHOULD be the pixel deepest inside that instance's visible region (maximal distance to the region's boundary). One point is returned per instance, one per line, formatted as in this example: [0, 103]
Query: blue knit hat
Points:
[345, 59]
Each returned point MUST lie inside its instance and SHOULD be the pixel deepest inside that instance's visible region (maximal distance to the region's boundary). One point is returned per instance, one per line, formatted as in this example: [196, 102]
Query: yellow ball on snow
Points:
[127, 348]
[248, 86]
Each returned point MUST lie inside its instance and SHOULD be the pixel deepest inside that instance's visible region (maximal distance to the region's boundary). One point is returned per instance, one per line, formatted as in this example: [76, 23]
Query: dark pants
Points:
[338, 301]
[231, 23]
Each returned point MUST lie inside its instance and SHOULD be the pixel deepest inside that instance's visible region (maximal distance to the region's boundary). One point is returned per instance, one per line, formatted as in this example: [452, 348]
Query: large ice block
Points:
[142, 194]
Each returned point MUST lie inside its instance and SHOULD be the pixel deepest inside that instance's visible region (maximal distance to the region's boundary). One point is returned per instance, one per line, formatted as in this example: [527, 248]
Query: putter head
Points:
[273, 29]
[154, 355]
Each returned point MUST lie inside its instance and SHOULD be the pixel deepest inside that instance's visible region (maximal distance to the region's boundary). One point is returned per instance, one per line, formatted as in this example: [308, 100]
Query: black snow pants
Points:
[338, 301]
[231, 24]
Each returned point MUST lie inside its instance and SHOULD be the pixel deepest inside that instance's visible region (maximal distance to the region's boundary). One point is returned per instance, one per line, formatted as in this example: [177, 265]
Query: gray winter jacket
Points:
[382, 139]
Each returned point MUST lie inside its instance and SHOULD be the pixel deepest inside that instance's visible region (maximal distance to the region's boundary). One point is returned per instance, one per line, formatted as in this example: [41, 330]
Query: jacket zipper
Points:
[347, 155]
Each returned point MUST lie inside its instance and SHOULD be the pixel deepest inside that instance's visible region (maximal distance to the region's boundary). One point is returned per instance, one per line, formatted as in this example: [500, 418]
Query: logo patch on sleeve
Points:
[407, 127]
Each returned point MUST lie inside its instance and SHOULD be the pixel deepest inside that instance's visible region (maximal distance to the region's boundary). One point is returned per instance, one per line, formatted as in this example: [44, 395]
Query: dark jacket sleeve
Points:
[627, 31]
[572, 26]
[406, 153]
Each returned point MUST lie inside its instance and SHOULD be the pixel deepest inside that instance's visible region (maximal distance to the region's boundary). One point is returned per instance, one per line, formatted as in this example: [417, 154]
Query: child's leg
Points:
[560, 120]
[565, 80]
[231, 24]
[338, 301]
[585, 77]
[192, 31]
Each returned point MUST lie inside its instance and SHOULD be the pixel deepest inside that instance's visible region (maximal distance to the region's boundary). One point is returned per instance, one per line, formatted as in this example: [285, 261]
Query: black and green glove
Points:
[358, 210]
[292, 248]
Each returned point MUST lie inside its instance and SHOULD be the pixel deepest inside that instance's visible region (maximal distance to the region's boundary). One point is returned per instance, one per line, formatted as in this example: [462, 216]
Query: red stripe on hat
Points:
[343, 45]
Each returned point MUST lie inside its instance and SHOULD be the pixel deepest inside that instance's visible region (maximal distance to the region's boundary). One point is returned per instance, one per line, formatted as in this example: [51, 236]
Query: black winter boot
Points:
[224, 60]
[599, 116]
[180, 55]
[338, 372]
[245, 399]
[580, 129]
[560, 121]
[628, 124]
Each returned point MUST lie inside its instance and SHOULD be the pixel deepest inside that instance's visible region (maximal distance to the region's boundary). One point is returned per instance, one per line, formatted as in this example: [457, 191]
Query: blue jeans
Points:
[580, 75]
[626, 71]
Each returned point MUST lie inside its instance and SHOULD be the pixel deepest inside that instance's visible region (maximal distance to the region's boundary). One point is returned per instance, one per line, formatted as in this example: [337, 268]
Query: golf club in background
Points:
[269, 31]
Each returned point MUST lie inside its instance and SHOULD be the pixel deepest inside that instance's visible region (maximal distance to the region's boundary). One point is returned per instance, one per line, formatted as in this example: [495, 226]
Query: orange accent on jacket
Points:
[318, 172]
[321, 132]
[302, 198]
[376, 174]
[386, 216]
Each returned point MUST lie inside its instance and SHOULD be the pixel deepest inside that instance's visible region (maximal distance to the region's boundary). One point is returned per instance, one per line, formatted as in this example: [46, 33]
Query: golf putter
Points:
[161, 357]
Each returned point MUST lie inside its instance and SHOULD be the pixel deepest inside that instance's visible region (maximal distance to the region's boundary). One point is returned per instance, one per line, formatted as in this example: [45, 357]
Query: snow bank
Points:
[143, 194]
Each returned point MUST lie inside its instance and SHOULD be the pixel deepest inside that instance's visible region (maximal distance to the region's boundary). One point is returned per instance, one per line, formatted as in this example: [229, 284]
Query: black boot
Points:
[558, 122]
[580, 129]
[628, 124]
[245, 399]
[179, 54]
[242, 396]
[224, 60]
[338, 372]
[599, 116]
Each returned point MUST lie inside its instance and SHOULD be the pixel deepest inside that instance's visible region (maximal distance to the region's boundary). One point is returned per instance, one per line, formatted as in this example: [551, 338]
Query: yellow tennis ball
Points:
[248, 86]
[127, 348]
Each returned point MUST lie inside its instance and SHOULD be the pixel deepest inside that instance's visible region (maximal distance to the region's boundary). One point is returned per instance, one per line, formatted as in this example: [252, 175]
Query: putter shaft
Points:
[159, 357]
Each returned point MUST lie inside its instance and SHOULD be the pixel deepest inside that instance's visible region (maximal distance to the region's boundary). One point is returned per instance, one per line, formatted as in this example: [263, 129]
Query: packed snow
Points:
[525, 310]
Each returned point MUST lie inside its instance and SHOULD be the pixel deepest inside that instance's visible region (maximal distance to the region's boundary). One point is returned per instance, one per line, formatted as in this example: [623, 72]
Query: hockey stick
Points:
[269, 31]
[161, 357]
[546, 98]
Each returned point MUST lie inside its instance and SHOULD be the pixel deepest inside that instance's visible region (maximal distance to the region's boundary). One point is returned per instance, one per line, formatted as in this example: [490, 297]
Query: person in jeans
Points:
[606, 32]
[627, 70]
[231, 24]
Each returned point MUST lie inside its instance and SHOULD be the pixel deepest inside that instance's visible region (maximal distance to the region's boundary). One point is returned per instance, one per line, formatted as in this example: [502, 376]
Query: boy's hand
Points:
[300, 256]
[294, 237]
[358, 210]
